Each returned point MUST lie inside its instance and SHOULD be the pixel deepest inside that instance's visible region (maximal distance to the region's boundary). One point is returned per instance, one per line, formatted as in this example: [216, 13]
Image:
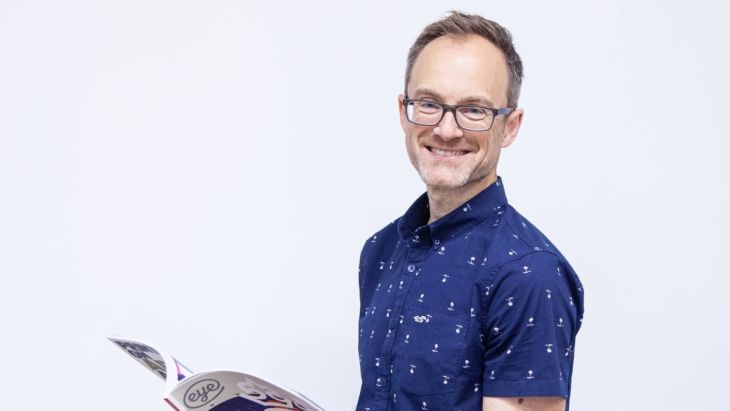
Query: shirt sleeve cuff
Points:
[529, 389]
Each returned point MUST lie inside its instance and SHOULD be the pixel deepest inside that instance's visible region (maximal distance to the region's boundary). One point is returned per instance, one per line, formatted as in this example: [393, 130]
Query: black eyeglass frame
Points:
[452, 108]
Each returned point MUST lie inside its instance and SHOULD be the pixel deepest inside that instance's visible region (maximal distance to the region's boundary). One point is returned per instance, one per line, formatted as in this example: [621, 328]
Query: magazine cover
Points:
[213, 390]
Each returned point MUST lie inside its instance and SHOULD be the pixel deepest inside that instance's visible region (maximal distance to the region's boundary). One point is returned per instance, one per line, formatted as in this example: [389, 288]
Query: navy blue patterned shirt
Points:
[478, 303]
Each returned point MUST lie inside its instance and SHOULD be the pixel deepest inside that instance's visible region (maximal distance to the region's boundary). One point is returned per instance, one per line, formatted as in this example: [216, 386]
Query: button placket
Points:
[395, 315]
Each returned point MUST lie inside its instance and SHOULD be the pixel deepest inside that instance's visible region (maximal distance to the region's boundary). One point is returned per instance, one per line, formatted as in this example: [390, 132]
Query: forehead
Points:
[461, 66]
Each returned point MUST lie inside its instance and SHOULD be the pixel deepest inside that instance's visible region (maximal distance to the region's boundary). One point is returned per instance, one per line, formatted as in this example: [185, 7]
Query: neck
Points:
[443, 200]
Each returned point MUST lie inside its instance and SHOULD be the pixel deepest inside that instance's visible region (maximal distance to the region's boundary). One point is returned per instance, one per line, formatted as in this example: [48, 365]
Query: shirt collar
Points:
[413, 223]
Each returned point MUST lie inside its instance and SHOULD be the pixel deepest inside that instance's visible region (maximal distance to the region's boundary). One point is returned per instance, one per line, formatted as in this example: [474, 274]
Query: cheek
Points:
[411, 141]
[412, 136]
[489, 145]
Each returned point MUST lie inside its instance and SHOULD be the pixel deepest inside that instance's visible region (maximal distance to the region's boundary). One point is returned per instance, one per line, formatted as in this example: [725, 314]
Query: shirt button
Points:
[381, 382]
[411, 268]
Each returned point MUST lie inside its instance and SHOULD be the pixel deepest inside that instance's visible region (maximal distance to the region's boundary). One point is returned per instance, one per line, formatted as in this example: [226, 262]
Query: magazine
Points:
[213, 390]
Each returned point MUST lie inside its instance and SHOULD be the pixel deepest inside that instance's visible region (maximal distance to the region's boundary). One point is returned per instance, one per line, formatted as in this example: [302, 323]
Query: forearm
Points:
[523, 404]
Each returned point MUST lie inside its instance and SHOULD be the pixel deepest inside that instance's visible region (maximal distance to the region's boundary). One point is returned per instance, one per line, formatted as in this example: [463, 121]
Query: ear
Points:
[512, 127]
[402, 112]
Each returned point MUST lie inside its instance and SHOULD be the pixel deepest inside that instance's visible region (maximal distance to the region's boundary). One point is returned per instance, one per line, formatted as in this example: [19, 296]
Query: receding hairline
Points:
[461, 39]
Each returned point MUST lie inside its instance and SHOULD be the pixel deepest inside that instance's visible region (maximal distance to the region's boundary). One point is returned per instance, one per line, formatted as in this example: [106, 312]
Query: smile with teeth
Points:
[446, 153]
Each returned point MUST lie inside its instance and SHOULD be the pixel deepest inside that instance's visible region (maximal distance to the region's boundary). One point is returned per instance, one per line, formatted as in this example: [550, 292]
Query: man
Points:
[465, 305]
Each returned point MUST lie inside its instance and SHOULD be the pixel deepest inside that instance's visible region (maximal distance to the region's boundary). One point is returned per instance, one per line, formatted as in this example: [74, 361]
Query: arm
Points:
[523, 404]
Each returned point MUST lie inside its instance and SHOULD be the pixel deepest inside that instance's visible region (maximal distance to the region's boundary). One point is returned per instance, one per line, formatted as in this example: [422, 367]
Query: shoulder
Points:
[533, 267]
[517, 239]
[519, 227]
[539, 254]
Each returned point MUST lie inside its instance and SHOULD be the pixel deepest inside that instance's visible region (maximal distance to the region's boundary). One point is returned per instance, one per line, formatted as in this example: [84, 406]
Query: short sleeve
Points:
[533, 313]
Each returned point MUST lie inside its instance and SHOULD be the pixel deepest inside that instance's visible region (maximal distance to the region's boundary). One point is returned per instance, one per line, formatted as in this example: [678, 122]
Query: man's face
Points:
[465, 70]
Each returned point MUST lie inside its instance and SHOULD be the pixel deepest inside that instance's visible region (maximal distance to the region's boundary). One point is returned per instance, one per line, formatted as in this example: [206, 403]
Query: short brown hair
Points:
[460, 24]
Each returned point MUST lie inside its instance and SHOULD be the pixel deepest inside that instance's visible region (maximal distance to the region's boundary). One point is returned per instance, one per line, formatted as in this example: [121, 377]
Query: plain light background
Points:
[198, 174]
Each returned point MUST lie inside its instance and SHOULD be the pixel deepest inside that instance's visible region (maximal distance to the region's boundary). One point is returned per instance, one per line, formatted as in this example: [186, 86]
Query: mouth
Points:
[442, 153]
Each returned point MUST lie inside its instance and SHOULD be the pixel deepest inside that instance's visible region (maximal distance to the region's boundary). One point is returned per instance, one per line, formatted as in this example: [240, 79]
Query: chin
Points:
[443, 180]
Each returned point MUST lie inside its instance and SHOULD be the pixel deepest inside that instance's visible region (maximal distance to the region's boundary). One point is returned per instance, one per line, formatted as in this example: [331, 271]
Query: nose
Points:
[447, 129]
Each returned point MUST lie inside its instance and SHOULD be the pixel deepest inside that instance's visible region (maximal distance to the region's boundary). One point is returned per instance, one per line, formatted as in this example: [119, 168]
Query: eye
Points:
[473, 112]
[428, 107]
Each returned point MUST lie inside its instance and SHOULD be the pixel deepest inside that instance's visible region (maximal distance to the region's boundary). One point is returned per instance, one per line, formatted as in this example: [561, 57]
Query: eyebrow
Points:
[427, 92]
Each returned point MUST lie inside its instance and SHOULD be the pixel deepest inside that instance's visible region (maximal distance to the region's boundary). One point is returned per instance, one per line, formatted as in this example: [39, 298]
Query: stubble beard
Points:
[439, 176]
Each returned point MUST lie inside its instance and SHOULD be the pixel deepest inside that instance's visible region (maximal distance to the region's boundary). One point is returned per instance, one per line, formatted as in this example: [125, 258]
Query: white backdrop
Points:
[187, 172]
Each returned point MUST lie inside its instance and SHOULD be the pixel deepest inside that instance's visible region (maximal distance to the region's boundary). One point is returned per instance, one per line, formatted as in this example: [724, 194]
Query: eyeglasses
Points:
[468, 117]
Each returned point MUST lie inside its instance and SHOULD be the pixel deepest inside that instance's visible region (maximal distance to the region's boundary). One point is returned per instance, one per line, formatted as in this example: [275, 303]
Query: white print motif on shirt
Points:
[422, 318]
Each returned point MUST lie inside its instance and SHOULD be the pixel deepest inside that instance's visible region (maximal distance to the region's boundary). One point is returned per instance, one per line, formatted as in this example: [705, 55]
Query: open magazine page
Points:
[235, 391]
[213, 390]
[160, 363]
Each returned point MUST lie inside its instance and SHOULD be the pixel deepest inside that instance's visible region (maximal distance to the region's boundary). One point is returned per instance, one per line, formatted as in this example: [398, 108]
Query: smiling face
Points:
[463, 70]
